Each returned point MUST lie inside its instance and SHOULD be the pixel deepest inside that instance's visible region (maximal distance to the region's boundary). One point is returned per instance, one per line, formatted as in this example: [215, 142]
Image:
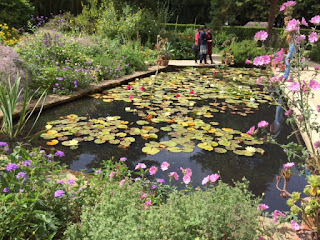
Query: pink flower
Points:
[276, 214]
[280, 53]
[317, 144]
[214, 177]
[140, 165]
[315, 20]
[259, 80]
[318, 108]
[191, 92]
[251, 130]
[174, 175]
[289, 112]
[129, 87]
[148, 203]
[293, 25]
[313, 37]
[178, 95]
[143, 195]
[263, 124]
[314, 85]
[294, 87]
[266, 59]
[206, 180]
[317, 68]
[111, 175]
[278, 59]
[304, 22]
[287, 4]
[258, 61]
[122, 182]
[295, 226]
[153, 170]
[262, 206]
[165, 166]
[288, 165]
[142, 89]
[261, 35]
[187, 178]
[248, 61]
[130, 97]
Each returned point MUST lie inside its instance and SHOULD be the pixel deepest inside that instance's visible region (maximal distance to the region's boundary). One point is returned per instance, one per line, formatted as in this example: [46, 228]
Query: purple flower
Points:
[61, 182]
[123, 159]
[276, 214]
[160, 180]
[295, 225]
[294, 87]
[317, 144]
[98, 171]
[59, 193]
[22, 175]
[313, 37]
[11, 167]
[153, 186]
[71, 181]
[21, 190]
[59, 154]
[6, 189]
[27, 163]
[2, 144]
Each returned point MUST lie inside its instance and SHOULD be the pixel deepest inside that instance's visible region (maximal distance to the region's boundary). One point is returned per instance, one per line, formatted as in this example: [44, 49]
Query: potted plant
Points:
[164, 51]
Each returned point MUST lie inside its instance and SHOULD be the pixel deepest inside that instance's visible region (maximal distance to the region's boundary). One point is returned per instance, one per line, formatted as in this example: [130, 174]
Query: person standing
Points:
[209, 41]
[203, 46]
[196, 47]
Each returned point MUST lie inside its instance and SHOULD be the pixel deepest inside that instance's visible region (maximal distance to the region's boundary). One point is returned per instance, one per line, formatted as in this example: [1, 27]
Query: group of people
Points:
[203, 45]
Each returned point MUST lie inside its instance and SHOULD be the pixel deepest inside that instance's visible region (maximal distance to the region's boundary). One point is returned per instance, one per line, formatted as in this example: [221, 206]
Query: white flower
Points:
[250, 149]
[252, 99]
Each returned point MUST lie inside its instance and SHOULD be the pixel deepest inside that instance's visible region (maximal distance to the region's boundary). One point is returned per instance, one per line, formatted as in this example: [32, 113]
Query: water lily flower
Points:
[315, 20]
[59, 193]
[295, 226]
[263, 124]
[251, 130]
[288, 165]
[142, 89]
[153, 170]
[140, 165]
[130, 97]
[165, 166]
[178, 95]
[262, 206]
[191, 92]
[174, 175]
[250, 149]
[313, 37]
[129, 87]
[214, 177]
[206, 180]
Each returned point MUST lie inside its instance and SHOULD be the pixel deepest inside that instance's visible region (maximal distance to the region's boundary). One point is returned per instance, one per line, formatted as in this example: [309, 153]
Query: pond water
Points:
[259, 169]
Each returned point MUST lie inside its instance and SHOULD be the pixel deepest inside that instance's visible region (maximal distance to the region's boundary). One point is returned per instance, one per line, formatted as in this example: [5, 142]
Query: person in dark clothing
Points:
[203, 45]
[209, 41]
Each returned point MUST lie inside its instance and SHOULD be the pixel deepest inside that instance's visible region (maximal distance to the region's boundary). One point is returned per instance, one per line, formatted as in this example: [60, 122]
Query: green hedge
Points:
[181, 27]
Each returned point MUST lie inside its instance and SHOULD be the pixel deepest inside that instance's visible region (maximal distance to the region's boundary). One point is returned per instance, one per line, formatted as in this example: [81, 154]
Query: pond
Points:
[194, 118]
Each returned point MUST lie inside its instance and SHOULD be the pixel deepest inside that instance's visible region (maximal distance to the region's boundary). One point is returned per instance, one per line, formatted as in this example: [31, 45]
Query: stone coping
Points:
[54, 99]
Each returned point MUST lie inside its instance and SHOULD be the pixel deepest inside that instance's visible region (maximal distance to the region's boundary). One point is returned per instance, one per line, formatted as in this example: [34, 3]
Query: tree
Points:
[272, 15]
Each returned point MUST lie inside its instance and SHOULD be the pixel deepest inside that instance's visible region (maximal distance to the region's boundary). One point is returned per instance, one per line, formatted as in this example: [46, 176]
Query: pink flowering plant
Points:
[296, 91]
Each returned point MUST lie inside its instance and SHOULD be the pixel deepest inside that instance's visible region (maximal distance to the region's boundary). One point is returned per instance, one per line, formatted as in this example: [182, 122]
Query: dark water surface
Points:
[260, 170]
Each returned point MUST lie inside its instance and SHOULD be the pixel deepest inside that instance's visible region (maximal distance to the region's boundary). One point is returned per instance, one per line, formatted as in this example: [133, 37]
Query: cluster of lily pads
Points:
[181, 104]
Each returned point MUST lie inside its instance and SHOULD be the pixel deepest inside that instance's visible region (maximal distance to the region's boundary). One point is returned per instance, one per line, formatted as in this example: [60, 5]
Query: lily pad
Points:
[150, 150]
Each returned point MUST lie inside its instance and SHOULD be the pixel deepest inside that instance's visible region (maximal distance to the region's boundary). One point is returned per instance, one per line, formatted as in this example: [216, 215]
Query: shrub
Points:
[219, 39]
[8, 36]
[243, 50]
[315, 53]
[221, 212]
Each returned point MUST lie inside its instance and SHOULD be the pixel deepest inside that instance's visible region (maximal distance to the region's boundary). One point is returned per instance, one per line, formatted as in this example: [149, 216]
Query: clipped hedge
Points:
[180, 27]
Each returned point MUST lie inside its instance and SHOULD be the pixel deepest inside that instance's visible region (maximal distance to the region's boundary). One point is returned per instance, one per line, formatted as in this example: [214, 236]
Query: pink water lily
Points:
[129, 87]
[153, 170]
[191, 92]
[165, 166]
